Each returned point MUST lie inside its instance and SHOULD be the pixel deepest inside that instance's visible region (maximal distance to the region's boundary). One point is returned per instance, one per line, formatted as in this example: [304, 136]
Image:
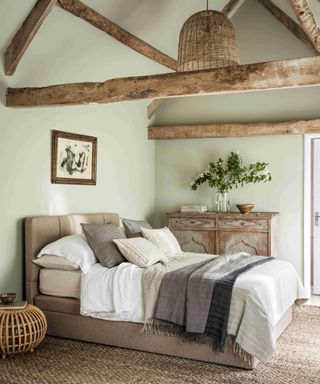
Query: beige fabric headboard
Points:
[42, 230]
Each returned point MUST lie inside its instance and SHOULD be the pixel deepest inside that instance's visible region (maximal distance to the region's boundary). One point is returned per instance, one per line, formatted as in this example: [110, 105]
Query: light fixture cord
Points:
[208, 26]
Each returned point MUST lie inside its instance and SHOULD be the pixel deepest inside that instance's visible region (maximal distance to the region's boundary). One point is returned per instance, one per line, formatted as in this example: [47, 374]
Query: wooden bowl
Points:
[8, 297]
[245, 208]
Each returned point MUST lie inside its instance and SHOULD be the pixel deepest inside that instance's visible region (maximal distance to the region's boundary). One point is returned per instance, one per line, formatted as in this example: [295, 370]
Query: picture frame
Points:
[73, 158]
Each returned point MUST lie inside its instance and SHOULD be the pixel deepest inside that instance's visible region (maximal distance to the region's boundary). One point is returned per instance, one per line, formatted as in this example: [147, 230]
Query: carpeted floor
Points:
[296, 360]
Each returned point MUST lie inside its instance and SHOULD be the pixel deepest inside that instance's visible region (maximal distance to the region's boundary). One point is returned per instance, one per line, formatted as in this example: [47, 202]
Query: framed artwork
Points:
[73, 158]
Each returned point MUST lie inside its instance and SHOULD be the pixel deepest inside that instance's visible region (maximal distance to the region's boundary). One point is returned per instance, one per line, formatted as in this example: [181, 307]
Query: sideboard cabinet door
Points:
[233, 242]
[195, 241]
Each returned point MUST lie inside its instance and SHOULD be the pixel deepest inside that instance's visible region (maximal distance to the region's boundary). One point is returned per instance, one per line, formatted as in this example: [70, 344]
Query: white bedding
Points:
[260, 297]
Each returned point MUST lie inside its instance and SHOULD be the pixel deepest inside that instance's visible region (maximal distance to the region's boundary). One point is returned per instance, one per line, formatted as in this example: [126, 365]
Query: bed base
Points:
[129, 335]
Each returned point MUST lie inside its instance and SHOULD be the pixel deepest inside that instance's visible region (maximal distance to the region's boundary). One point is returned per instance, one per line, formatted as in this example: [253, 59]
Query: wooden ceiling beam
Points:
[293, 73]
[94, 18]
[21, 40]
[307, 21]
[153, 107]
[295, 127]
[290, 24]
[232, 7]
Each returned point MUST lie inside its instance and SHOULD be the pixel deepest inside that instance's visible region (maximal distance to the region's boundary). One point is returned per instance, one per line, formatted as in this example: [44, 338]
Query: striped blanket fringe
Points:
[165, 328]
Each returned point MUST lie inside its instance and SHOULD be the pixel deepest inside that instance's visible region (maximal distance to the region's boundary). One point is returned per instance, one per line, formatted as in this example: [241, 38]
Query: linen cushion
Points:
[133, 227]
[56, 262]
[164, 239]
[140, 251]
[100, 237]
[74, 248]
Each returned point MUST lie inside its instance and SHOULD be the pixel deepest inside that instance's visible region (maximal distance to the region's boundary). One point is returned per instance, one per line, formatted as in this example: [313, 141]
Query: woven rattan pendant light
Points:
[207, 40]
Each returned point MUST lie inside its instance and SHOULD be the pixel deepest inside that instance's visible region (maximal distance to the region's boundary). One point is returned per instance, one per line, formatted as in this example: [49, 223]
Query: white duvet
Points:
[260, 297]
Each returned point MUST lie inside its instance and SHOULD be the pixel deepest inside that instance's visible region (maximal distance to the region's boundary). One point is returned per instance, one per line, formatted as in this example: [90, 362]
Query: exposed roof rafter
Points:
[232, 7]
[99, 21]
[290, 24]
[307, 21]
[25, 34]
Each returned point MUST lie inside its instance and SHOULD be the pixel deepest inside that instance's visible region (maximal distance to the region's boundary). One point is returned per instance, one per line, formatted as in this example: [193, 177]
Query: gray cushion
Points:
[133, 227]
[100, 238]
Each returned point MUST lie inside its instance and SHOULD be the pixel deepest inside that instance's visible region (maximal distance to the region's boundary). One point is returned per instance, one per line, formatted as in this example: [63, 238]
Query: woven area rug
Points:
[296, 360]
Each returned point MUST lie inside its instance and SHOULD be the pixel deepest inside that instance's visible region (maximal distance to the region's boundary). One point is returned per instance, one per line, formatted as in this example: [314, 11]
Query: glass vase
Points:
[222, 201]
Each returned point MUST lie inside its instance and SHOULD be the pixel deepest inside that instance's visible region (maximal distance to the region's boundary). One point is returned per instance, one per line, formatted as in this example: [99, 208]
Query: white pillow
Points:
[55, 262]
[140, 251]
[164, 239]
[74, 248]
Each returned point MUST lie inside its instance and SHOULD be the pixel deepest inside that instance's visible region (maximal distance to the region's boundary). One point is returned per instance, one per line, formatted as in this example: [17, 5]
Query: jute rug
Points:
[296, 360]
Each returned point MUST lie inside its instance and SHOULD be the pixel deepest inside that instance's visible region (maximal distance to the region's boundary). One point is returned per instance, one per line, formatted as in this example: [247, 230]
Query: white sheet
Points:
[62, 283]
[260, 297]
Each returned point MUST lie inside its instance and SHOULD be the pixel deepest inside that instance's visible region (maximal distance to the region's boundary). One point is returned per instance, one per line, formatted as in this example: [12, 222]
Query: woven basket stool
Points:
[21, 330]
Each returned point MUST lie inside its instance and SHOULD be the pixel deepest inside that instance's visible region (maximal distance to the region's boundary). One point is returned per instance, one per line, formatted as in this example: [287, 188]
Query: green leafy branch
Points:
[224, 177]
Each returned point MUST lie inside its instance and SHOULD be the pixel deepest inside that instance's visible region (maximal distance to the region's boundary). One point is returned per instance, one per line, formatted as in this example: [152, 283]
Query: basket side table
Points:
[21, 330]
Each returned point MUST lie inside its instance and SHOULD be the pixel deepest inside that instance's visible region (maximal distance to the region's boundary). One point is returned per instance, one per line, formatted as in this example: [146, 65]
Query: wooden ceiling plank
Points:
[86, 13]
[307, 21]
[20, 42]
[153, 107]
[295, 127]
[293, 73]
[290, 24]
[232, 7]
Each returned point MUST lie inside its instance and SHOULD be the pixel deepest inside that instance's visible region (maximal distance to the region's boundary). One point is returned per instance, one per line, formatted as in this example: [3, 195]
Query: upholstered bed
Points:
[63, 313]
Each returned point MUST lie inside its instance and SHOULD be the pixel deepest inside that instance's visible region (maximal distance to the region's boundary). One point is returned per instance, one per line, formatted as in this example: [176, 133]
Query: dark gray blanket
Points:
[194, 301]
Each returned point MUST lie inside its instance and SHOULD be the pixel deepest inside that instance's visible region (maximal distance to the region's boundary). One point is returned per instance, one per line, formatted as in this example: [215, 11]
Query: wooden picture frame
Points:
[73, 158]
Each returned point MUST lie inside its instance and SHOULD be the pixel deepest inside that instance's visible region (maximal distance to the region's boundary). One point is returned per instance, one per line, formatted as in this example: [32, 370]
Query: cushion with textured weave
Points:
[164, 239]
[133, 227]
[100, 238]
[140, 251]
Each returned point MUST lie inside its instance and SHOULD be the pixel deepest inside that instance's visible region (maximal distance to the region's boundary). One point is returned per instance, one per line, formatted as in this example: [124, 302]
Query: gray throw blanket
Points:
[194, 301]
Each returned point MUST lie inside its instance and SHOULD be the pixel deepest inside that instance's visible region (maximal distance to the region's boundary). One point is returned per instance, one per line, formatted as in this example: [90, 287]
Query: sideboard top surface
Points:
[234, 215]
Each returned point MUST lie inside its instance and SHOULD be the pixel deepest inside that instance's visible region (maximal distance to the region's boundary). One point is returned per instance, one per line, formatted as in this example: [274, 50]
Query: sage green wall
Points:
[261, 38]
[67, 49]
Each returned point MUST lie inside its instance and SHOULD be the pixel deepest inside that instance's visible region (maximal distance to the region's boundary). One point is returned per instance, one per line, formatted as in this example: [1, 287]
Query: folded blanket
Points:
[195, 301]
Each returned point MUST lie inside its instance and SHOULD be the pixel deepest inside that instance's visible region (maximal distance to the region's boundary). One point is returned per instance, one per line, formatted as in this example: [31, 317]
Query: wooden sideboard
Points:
[226, 233]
